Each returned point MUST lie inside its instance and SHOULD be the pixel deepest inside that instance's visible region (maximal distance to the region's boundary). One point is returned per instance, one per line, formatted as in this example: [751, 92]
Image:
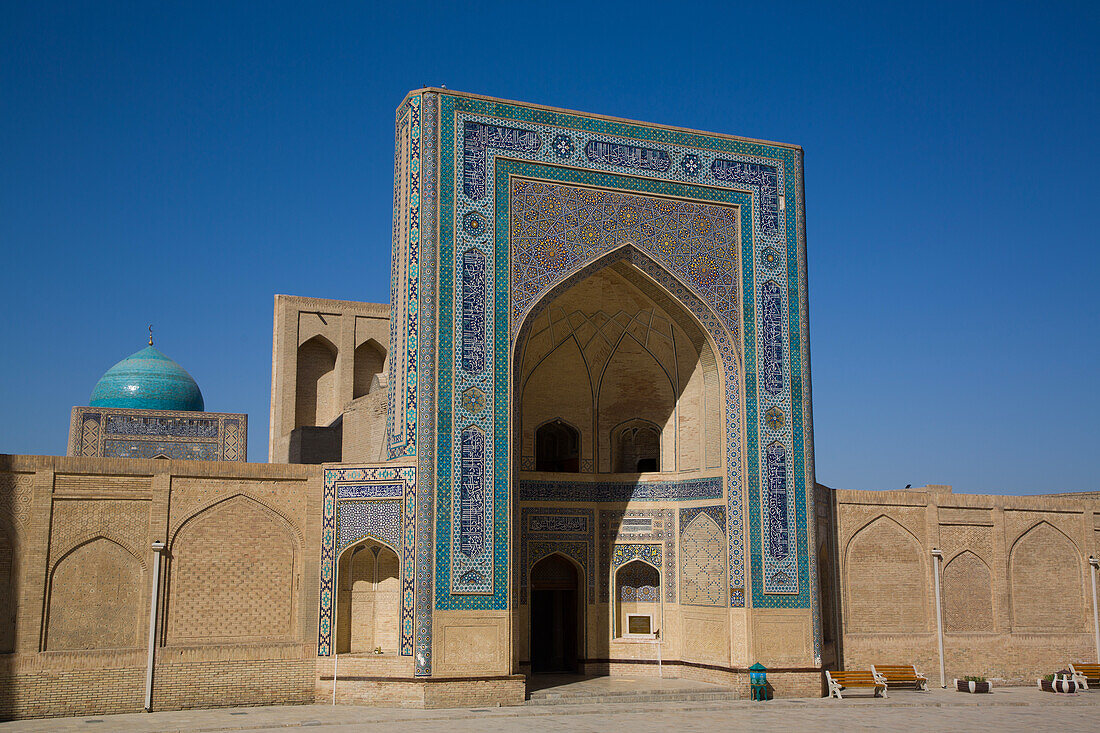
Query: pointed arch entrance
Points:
[629, 365]
[556, 615]
[627, 373]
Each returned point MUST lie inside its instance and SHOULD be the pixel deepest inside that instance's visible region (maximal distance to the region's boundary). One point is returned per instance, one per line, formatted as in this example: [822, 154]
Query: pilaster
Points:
[29, 629]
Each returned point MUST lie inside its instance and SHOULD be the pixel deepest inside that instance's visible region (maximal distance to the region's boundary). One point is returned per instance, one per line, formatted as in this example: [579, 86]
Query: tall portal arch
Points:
[503, 204]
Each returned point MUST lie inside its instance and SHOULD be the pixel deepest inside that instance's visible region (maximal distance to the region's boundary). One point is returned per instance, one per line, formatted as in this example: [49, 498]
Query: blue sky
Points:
[180, 163]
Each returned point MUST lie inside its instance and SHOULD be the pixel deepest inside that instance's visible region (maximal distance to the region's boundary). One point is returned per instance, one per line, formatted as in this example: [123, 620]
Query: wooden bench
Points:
[1085, 673]
[865, 678]
[901, 674]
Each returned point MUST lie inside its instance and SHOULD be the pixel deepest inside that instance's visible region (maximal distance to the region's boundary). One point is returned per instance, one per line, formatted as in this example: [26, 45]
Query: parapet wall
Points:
[237, 613]
[1016, 595]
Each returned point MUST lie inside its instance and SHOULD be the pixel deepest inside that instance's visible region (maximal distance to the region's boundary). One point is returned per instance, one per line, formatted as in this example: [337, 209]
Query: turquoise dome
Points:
[148, 380]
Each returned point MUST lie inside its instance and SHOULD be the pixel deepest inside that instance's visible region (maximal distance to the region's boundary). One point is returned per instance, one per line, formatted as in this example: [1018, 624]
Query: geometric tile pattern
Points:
[368, 502]
[117, 432]
[426, 339]
[618, 528]
[378, 519]
[556, 228]
[180, 450]
[765, 180]
[703, 556]
[405, 281]
[89, 435]
[571, 532]
[231, 441]
[625, 553]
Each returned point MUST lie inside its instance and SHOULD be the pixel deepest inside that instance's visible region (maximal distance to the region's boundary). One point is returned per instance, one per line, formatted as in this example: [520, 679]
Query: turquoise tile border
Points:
[645, 183]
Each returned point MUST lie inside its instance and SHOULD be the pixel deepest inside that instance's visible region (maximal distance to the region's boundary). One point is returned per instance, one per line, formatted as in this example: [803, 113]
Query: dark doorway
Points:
[554, 616]
[557, 448]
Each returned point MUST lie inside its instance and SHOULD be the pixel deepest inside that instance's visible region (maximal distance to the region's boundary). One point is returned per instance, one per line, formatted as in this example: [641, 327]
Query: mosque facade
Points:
[578, 440]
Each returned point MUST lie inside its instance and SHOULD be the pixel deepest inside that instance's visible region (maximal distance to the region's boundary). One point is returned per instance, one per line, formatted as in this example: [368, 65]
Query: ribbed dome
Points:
[148, 380]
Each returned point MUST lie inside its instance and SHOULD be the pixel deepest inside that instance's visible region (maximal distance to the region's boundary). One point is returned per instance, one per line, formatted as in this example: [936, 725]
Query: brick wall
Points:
[237, 612]
[1016, 595]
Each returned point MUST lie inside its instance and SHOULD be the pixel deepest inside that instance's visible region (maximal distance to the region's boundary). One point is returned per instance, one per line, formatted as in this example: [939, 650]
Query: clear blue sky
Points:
[179, 164]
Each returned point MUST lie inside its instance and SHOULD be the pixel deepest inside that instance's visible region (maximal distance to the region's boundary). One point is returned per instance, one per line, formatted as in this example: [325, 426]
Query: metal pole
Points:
[1094, 564]
[937, 556]
[335, 622]
[158, 548]
[661, 590]
[335, 664]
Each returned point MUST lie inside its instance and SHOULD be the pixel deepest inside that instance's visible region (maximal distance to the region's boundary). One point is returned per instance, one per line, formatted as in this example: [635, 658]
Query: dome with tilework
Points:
[148, 380]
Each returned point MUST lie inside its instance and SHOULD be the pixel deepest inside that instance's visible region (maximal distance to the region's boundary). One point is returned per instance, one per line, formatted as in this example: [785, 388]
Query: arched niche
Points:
[609, 345]
[557, 447]
[703, 563]
[558, 388]
[967, 594]
[315, 397]
[231, 575]
[368, 608]
[370, 357]
[637, 594]
[1045, 581]
[884, 560]
[94, 602]
[636, 447]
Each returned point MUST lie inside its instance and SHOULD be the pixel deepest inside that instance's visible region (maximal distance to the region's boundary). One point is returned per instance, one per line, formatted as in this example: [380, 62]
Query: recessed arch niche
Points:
[614, 354]
[315, 402]
[368, 609]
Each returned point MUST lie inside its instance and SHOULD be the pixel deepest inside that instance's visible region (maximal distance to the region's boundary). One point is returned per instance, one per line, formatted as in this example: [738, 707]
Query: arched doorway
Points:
[555, 616]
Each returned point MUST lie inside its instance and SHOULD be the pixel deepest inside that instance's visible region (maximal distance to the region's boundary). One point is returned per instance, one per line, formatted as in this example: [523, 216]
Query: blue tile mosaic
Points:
[180, 450]
[620, 491]
[776, 179]
[373, 502]
[405, 281]
[570, 532]
[474, 294]
[626, 156]
[421, 537]
[175, 427]
[637, 528]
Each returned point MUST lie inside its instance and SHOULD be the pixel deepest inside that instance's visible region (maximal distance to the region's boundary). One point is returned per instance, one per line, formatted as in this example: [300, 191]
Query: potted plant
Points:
[1059, 682]
[972, 683]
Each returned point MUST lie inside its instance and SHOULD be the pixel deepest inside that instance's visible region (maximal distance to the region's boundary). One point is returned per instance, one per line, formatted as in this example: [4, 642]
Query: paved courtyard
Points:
[1008, 709]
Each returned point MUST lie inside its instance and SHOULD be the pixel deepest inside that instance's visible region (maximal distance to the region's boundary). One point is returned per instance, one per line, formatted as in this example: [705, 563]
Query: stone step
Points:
[542, 697]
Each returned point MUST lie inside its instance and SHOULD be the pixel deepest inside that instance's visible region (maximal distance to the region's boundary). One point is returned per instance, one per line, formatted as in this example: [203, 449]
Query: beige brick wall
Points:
[1016, 594]
[325, 353]
[238, 614]
[94, 593]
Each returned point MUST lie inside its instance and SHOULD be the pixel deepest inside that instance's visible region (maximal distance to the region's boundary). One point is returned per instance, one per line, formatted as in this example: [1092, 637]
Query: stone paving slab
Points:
[1006, 709]
[605, 685]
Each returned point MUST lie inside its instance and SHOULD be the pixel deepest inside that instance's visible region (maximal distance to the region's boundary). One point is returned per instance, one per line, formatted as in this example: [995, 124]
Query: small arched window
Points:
[557, 447]
[636, 447]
